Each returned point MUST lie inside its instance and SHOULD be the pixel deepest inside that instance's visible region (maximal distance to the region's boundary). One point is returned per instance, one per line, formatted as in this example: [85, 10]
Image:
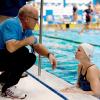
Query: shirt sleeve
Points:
[9, 32]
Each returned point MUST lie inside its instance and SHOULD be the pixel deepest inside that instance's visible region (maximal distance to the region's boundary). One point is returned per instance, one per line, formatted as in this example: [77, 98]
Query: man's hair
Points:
[25, 11]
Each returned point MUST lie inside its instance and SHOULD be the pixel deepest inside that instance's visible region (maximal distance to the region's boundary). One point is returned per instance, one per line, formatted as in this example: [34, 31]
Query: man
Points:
[15, 35]
[10, 8]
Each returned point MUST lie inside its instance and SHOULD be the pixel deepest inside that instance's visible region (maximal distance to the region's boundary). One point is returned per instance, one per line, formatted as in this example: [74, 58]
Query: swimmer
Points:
[88, 74]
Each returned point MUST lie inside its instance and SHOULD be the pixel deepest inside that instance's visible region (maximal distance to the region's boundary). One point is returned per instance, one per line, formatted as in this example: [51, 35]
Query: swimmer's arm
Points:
[76, 85]
[94, 82]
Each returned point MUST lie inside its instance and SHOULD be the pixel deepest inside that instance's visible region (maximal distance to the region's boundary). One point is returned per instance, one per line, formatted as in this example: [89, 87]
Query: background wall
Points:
[61, 11]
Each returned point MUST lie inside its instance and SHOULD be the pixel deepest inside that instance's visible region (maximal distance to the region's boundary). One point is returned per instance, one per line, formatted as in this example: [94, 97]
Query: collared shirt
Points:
[11, 29]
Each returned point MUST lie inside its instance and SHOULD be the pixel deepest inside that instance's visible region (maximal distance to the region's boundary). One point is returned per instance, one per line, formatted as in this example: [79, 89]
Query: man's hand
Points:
[52, 60]
[30, 40]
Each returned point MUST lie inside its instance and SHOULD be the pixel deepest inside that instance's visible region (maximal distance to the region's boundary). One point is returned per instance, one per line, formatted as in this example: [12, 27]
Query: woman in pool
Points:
[88, 73]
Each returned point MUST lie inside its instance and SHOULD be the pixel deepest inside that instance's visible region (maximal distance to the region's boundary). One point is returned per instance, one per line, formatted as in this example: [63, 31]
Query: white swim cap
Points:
[88, 48]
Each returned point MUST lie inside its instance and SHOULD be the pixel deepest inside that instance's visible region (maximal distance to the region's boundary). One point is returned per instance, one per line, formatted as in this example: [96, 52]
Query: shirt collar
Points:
[20, 23]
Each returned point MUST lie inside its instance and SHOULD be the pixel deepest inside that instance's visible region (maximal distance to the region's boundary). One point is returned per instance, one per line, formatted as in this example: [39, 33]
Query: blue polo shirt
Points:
[11, 29]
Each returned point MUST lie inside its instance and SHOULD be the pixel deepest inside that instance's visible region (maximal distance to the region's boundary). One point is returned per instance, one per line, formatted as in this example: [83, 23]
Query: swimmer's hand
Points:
[68, 88]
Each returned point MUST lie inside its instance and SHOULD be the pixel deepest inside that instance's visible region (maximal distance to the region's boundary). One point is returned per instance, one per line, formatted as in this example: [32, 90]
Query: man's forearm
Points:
[14, 45]
[40, 49]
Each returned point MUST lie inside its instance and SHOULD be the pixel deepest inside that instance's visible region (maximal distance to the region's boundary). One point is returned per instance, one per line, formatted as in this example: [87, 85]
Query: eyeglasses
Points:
[36, 19]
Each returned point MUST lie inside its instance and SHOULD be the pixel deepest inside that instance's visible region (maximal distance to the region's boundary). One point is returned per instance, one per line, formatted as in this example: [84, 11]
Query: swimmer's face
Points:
[80, 54]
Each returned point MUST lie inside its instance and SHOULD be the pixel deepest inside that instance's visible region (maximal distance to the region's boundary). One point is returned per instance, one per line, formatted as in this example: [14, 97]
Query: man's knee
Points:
[32, 59]
[29, 60]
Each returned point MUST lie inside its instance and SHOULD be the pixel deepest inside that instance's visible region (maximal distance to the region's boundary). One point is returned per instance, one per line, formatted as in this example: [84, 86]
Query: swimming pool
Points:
[63, 45]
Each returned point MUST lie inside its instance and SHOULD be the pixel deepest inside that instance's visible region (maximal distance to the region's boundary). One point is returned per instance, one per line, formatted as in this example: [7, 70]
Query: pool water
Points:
[64, 45]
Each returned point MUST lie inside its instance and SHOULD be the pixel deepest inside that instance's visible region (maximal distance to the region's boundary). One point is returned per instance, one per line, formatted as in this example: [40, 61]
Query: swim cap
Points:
[88, 48]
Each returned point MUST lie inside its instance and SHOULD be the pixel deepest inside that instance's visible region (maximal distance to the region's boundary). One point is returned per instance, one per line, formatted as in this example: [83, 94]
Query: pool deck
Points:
[58, 84]
[34, 90]
[46, 87]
